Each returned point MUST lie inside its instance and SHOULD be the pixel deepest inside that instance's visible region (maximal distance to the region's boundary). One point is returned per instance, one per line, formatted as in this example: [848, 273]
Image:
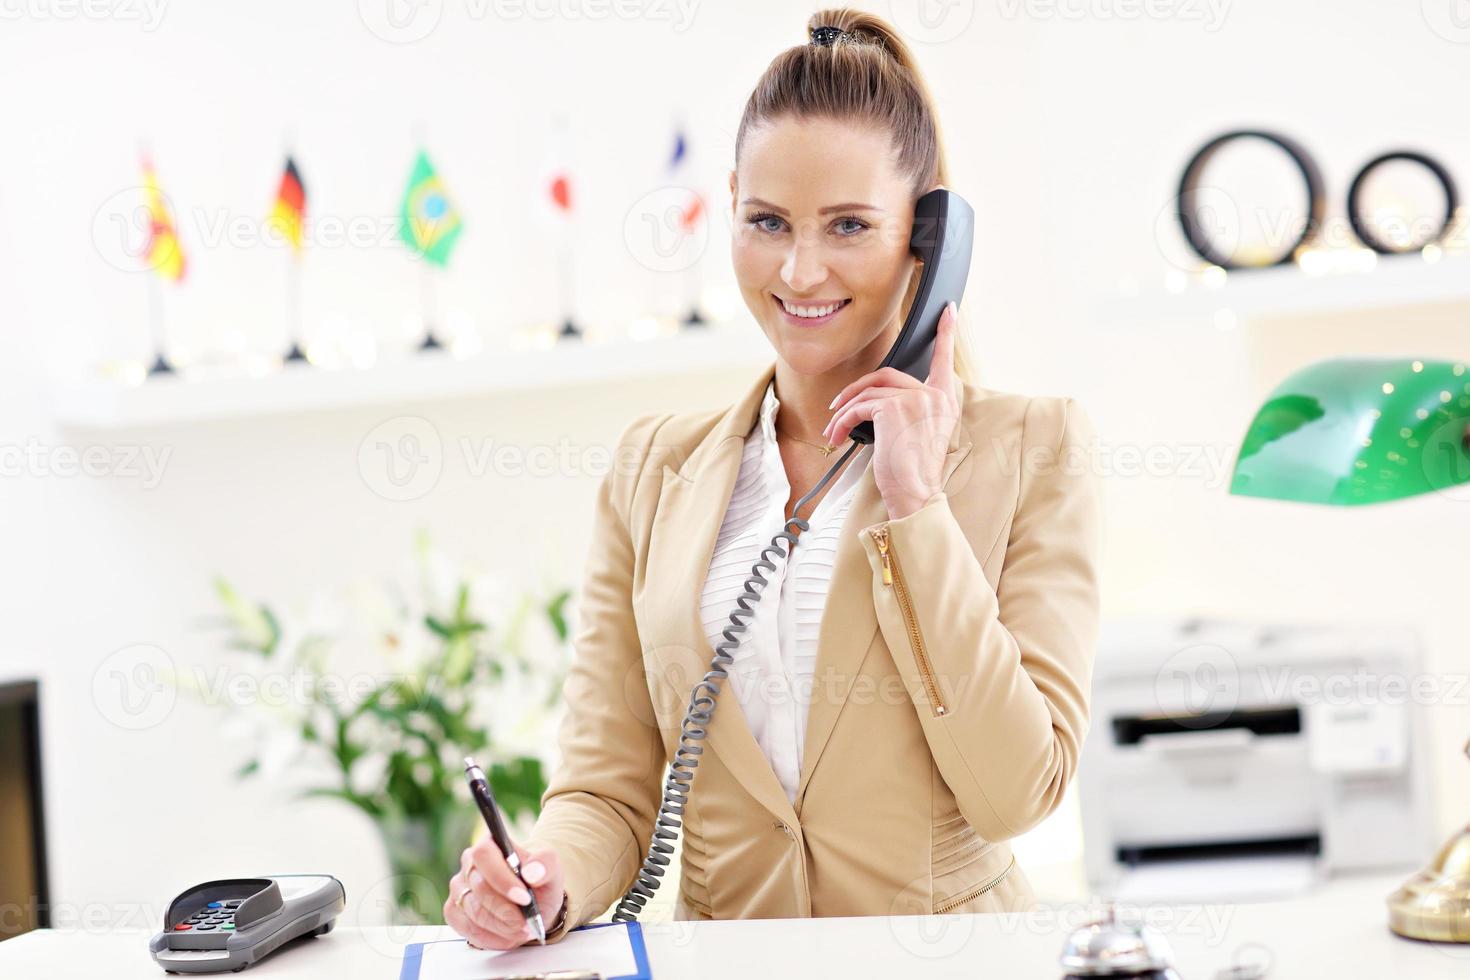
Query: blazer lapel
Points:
[691, 508]
[849, 621]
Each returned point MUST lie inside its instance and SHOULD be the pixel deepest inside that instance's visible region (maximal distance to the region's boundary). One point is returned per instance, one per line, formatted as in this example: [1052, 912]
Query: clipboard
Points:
[454, 959]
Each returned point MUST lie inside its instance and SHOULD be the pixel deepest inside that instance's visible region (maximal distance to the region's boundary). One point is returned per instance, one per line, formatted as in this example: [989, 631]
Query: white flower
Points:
[365, 776]
[278, 752]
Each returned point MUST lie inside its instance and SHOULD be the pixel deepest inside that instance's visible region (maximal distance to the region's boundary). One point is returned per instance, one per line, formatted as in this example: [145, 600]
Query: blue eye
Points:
[853, 226]
[756, 220]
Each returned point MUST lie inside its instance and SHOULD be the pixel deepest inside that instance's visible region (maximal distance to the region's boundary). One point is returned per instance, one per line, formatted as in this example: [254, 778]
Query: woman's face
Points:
[821, 226]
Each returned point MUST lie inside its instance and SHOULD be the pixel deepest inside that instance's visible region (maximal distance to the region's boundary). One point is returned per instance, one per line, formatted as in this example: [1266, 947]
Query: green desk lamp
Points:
[1364, 431]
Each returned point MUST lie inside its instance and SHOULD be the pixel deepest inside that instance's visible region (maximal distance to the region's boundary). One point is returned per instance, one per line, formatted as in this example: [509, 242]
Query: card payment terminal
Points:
[228, 924]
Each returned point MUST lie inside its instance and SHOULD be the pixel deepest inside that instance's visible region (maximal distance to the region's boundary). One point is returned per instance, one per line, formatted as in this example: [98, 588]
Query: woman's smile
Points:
[810, 312]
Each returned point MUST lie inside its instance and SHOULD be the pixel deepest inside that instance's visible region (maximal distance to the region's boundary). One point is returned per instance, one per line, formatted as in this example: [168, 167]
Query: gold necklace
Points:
[826, 450]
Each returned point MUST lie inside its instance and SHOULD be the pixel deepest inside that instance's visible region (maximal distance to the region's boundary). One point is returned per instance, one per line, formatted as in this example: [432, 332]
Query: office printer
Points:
[1230, 761]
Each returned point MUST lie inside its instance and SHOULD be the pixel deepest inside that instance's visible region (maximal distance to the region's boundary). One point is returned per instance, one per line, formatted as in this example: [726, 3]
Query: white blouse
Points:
[772, 671]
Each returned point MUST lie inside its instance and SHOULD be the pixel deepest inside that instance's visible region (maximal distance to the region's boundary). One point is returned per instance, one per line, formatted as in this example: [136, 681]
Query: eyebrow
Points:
[852, 206]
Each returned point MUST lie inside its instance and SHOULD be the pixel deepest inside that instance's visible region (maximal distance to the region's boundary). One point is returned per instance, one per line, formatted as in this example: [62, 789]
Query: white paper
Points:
[607, 951]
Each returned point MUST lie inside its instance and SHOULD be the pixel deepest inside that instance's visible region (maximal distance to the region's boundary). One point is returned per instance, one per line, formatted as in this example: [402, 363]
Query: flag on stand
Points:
[561, 193]
[161, 251]
[288, 215]
[428, 222]
[692, 211]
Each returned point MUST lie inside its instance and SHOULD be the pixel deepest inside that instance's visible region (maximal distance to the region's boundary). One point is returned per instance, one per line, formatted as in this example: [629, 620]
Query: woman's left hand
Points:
[912, 423]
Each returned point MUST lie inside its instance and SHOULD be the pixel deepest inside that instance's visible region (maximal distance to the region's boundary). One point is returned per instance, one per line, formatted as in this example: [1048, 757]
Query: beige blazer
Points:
[950, 698]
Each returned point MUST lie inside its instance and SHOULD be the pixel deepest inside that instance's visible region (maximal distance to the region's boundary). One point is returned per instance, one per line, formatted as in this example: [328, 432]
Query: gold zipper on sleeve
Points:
[893, 577]
[960, 899]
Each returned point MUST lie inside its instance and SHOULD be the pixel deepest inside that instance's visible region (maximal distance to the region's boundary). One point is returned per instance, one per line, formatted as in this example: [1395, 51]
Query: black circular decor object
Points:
[1194, 232]
[1364, 230]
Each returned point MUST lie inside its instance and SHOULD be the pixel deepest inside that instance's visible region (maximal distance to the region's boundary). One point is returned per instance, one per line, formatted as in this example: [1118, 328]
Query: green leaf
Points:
[556, 611]
[255, 625]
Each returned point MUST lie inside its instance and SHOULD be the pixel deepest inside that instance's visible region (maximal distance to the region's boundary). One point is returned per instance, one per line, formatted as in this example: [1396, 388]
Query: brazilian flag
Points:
[427, 221]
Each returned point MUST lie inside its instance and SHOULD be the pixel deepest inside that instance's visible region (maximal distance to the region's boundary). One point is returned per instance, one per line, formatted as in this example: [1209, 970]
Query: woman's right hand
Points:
[490, 915]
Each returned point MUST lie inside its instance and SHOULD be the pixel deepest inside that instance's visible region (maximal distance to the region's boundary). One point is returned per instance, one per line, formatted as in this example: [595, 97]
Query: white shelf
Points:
[1389, 282]
[427, 376]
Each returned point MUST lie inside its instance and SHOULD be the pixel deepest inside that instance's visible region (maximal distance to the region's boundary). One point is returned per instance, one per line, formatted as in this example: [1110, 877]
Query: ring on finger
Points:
[459, 898]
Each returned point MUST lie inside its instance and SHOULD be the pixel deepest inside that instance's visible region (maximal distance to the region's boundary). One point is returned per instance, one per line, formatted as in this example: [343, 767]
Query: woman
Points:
[913, 688]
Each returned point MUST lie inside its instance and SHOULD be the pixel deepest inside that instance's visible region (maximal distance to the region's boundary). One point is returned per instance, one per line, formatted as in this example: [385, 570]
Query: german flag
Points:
[162, 252]
[288, 216]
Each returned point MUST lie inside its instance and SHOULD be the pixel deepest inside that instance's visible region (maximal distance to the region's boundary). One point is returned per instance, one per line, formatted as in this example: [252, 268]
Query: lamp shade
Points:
[1359, 431]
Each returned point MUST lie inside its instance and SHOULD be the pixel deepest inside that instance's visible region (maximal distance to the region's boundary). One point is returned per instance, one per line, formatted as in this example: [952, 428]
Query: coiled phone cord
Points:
[701, 709]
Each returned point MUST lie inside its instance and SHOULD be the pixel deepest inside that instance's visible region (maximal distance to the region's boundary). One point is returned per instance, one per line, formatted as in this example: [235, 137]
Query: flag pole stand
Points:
[293, 300]
[426, 298]
[160, 364]
[692, 283]
[569, 329]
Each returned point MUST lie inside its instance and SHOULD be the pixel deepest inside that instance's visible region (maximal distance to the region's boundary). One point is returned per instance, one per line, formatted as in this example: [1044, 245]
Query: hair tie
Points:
[827, 36]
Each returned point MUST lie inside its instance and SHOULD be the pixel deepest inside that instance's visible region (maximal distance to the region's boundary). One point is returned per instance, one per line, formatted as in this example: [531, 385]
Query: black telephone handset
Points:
[942, 237]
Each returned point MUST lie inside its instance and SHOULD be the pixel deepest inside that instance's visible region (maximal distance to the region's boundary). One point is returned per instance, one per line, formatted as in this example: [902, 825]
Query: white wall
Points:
[1065, 132]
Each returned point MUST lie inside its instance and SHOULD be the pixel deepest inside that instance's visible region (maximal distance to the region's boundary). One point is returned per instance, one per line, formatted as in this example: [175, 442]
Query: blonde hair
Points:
[869, 75]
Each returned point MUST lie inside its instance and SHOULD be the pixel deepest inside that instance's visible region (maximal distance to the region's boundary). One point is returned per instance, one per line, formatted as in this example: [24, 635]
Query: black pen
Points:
[480, 790]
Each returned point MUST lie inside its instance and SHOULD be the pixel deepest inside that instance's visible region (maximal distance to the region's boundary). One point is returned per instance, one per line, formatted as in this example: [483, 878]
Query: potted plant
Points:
[444, 664]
